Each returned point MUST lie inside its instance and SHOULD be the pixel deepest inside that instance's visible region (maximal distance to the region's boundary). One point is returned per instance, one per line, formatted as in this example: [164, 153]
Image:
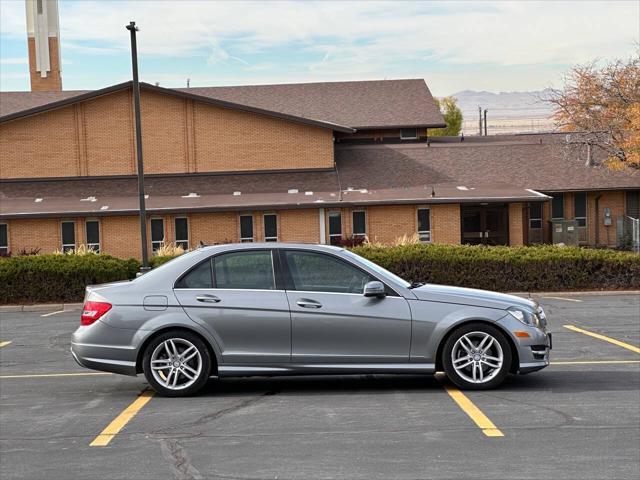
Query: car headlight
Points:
[528, 318]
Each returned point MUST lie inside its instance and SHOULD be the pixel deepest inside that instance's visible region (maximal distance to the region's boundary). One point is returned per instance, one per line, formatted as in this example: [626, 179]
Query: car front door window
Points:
[316, 272]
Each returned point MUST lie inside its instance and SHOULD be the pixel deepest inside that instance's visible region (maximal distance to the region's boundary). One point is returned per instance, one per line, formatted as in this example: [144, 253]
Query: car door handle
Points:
[306, 303]
[208, 298]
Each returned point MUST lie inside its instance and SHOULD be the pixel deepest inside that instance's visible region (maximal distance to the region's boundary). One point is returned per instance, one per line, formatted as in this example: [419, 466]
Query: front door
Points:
[235, 296]
[333, 322]
[485, 224]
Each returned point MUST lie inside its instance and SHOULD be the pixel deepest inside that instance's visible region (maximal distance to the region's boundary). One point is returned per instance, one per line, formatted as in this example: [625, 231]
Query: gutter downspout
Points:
[597, 240]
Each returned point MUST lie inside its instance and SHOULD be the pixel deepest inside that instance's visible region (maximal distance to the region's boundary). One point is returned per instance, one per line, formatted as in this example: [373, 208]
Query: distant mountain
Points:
[507, 112]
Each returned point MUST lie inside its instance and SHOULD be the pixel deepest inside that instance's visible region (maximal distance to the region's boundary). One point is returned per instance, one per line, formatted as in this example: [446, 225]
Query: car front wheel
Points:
[176, 363]
[477, 356]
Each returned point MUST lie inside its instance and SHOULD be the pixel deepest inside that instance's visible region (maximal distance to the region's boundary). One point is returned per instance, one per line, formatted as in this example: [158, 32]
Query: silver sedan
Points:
[287, 309]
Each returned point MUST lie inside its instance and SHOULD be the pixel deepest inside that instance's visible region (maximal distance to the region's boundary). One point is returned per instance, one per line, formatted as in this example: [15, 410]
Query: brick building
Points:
[310, 162]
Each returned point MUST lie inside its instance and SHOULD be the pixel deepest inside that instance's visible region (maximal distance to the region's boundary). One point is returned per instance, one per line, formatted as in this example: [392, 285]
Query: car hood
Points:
[471, 296]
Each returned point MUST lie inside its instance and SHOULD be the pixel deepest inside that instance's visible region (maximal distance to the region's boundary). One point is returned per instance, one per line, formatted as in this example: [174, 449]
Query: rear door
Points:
[333, 322]
[236, 296]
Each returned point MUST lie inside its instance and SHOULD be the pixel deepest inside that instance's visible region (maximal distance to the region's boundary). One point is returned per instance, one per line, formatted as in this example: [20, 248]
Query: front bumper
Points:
[534, 351]
[105, 348]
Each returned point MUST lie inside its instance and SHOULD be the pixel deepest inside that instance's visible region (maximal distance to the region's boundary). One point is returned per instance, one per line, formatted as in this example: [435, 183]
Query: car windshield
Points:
[378, 269]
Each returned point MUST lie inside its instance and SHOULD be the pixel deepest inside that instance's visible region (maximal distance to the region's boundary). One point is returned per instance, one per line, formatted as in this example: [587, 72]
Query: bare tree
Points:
[603, 104]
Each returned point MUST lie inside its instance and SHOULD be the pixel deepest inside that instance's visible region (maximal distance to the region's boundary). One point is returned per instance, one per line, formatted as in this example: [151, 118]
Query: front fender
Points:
[432, 321]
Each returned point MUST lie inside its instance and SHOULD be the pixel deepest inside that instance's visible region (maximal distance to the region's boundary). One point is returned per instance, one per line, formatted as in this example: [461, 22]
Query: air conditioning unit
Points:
[564, 231]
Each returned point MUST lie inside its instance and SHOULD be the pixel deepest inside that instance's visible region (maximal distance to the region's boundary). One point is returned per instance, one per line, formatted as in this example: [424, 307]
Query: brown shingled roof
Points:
[366, 104]
[359, 104]
[539, 162]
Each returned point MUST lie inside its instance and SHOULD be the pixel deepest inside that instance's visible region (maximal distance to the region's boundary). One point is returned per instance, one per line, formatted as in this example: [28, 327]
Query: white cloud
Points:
[14, 61]
[439, 40]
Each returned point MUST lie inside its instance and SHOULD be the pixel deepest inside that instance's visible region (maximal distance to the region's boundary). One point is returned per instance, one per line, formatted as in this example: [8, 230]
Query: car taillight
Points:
[92, 311]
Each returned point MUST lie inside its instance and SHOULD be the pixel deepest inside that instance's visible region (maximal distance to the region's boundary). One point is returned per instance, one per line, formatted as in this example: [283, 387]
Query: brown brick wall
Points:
[516, 224]
[386, 223]
[108, 127]
[96, 137]
[445, 224]
[606, 235]
[214, 227]
[120, 236]
[234, 140]
[43, 145]
[299, 226]
[53, 80]
[37, 233]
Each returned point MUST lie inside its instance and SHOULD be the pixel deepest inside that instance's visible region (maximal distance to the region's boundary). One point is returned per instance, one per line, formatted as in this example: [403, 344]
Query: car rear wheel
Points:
[477, 356]
[176, 363]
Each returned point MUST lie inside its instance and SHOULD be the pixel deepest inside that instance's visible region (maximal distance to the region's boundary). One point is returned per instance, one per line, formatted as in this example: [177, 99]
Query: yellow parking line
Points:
[52, 313]
[121, 420]
[4, 344]
[593, 362]
[37, 375]
[603, 337]
[468, 407]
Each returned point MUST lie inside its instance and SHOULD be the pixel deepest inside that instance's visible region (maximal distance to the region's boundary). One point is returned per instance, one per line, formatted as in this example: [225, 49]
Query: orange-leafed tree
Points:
[603, 102]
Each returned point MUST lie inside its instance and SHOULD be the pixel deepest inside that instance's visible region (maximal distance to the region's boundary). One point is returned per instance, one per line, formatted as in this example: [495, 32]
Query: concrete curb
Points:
[41, 307]
[575, 294]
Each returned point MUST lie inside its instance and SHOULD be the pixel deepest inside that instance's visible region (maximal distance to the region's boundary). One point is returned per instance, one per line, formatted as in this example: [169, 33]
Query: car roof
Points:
[263, 245]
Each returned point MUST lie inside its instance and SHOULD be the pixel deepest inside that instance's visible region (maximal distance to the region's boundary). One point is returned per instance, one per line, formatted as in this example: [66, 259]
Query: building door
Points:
[485, 225]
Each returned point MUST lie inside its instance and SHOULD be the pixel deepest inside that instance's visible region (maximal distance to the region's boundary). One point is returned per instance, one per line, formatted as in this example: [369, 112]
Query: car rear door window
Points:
[198, 277]
[244, 270]
[316, 272]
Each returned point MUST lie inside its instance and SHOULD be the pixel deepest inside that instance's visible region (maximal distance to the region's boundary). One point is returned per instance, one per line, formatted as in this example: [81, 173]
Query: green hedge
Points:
[62, 278]
[58, 278]
[510, 269]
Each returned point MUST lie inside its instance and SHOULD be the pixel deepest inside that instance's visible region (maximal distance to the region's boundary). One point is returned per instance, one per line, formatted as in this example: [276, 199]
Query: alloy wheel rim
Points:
[477, 357]
[176, 363]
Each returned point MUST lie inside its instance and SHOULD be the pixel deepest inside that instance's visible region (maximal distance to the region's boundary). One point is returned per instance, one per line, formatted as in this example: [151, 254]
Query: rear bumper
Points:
[105, 348]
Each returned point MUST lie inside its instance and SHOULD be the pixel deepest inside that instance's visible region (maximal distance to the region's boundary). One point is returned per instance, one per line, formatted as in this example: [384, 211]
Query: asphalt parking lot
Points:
[579, 418]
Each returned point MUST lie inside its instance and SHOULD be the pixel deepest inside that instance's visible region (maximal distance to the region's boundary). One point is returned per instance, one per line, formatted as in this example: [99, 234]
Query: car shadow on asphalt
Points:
[550, 381]
[322, 385]
[575, 381]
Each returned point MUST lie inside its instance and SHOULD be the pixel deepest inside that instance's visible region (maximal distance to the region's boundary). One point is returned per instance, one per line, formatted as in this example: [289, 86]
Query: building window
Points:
[580, 208]
[335, 228]
[92, 228]
[633, 203]
[68, 236]
[557, 206]
[535, 215]
[246, 228]
[408, 133]
[4, 239]
[270, 227]
[157, 233]
[182, 232]
[424, 224]
[359, 223]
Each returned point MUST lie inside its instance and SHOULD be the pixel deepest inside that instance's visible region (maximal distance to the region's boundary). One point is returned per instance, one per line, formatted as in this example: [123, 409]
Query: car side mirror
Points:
[375, 289]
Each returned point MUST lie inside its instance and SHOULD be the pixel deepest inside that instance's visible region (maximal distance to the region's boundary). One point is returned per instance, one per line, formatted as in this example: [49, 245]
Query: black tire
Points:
[497, 375]
[180, 338]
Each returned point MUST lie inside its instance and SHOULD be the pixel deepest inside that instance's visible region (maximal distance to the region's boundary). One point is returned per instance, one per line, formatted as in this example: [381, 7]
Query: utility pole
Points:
[479, 120]
[136, 104]
[485, 122]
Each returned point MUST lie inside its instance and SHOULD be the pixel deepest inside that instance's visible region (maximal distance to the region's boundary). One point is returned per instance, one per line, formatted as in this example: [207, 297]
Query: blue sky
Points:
[455, 45]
